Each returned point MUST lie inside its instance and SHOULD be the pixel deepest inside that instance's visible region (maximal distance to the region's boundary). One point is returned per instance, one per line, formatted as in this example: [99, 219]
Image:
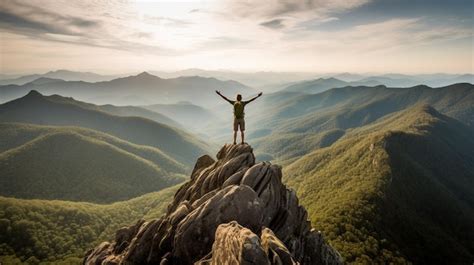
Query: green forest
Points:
[59, 232]
[378, 194]
[76, 164]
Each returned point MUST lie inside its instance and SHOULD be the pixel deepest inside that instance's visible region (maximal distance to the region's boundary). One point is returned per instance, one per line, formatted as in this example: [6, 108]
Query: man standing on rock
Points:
[239, 113]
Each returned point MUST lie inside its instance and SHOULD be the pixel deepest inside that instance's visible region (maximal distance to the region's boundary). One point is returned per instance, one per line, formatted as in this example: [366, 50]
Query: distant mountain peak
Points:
[34, 93]
[421, 87]
[45, 80]
[144, 73]
[59, 71]
[325, 80]
[142, 76]
[332, 79]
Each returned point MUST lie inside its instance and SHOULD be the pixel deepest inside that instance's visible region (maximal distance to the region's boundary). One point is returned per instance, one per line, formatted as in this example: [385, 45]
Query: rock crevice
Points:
[231, 211]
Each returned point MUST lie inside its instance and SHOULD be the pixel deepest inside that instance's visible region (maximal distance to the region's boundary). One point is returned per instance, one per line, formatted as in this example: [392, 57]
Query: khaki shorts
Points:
[239, 122]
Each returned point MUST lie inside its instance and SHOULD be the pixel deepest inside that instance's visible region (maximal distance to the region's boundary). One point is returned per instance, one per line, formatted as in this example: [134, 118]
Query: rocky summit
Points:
[231, 211]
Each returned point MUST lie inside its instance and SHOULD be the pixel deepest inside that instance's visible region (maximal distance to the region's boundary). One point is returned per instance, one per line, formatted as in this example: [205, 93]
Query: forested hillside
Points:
[54, 110]
[395, 191]
[60, 232]
[76, 164]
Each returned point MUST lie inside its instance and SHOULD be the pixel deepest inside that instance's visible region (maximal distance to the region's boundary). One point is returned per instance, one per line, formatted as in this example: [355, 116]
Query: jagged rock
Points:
[100, 254]
[202, 162]
[235, 244]
[231, 159]
[275, 249]
[239, 203]
[215, 217]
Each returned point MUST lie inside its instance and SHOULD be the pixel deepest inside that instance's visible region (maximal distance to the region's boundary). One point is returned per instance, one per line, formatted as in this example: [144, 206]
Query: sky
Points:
[358, 36]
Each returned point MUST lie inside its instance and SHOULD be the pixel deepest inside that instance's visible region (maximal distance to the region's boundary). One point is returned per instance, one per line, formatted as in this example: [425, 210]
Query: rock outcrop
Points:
[231, 211]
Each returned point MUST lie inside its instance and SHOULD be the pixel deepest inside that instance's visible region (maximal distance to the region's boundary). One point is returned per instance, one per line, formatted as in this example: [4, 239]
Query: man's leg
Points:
[242, 129]
[236, 128]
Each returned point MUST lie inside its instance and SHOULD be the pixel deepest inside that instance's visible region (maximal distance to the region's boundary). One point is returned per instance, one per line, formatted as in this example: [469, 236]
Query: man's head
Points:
[239, 97]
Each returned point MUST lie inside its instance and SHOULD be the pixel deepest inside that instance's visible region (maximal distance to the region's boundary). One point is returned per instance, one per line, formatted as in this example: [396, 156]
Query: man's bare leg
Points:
[235, 137]
[242, 136]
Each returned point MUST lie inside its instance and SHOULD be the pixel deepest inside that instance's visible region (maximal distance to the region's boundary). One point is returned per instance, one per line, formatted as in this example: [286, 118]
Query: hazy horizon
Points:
[357, 36]
[155, 71]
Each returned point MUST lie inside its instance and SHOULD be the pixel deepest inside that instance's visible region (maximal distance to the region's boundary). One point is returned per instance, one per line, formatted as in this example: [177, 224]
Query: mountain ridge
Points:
[295, 115]
[17, 134]
[58, 74]
[140, 89]
[56, 110]
[387, 176]
[67, 165]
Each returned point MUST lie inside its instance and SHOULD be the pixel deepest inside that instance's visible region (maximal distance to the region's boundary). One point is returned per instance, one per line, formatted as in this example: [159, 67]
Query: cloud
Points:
[380, 37]
[222, 42]
[167, 21]
[277, 8]
[291, 12]
[264, 33]
[14, 22]
[28, 18]
[273, 24]
[73, 27]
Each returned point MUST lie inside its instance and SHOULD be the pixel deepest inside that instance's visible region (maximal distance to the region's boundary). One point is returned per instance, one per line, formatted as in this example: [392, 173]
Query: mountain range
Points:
[35, 108]
[323, 84]
[58, 74]
[270, 81]
[385, 173]
[264, 81]
[141, 89]
[294, 123]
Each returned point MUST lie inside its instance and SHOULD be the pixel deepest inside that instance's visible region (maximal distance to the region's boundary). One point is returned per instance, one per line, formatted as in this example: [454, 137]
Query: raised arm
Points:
[254, 98]
[226, 99]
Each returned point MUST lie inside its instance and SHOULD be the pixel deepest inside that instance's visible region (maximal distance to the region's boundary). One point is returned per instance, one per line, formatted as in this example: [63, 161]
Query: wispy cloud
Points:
[278, 8]
[273, 24]
[34, 21]
[21, 16]
[173, 22]
[269, 34]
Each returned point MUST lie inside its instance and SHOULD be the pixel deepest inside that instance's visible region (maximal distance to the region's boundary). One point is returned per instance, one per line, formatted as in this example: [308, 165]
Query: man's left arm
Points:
[254, 98]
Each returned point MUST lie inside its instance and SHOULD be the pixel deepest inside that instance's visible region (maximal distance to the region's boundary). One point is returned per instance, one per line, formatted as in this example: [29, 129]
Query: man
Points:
[239, 113]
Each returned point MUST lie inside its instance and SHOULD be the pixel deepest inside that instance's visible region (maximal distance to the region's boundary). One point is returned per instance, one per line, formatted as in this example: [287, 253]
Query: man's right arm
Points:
[226, 99]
